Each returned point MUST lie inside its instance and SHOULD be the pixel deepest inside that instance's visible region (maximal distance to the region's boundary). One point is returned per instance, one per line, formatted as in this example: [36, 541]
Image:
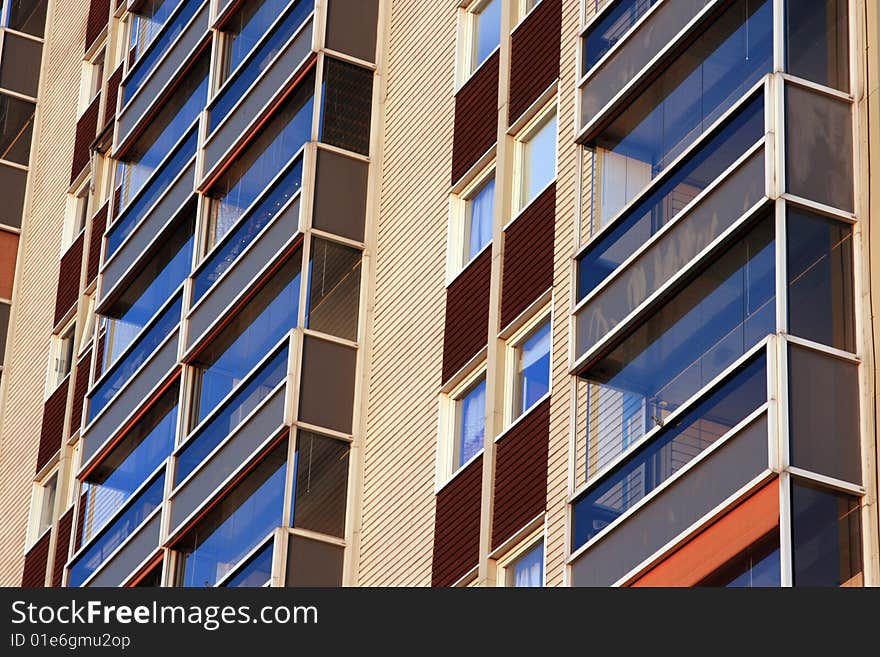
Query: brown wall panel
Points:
[80, 387]
[35, 563]
[457, 526]
[535, 47]
[8, 254]
[86, 130]
[99, 225]
[112, 94]
[52, 430]
[99, 14]
[528, 256]
[68, 278]
[476, 118]
[61, 546]
[467, 314]
[521, 474]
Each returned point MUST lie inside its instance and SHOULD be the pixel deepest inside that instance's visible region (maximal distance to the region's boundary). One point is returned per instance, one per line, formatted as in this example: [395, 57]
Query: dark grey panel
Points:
[264, 251]
[135, 552]
[13, 183]
[676, 508]
[152, 225]
[20, 64]
[196, 492]
[352, 26]
[313, 563]
[266, 88]
[691, 234]
[327, 384]
[657, 31]
[132, 396]
[824, 414]
[340, 214]
[4, 328]
[135, 111]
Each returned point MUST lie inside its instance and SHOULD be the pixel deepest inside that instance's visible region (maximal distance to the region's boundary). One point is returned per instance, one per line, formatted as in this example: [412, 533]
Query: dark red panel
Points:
[86, 130]
[61, 546]
[467, 314]
[99, 225]
[521, 474]
[534, 56]
[457, 526]
[528, 256]
[80, 387]
[476, 118]
[68, 278]
[35, 563]
[112, 94]
[52, 430]
[99, 15]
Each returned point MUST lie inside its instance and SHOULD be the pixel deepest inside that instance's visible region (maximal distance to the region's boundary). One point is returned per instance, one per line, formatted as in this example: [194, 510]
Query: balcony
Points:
[155, 70]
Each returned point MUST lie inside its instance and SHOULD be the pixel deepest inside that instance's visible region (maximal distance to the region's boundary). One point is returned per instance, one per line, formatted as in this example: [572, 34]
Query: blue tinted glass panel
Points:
[238, 239]
[262, 323]
[608, 30]
[135, 212]
[160, 45]
[243, 31]
[123, 471]
[671, 449]
[478, 228]
[471, 423]
[119, 530]
[539, 161]
[257, 571]
[237, 524]
[487, 31]
[265, 380]
[528, 571]
[148, 22]
[533, 369]
[657, 209]
[141, 350]
[759, 570]
[727, 58]
[259, 60]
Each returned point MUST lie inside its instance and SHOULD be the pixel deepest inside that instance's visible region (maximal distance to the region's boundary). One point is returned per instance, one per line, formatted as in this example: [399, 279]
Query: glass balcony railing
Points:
[137, 511]
[247, 397]
[138, 353]
[147, 23]
[608, 30]
[256, 572]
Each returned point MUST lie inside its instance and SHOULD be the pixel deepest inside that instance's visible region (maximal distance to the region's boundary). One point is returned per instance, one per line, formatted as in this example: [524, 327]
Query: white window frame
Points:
[506, 564]
[455, 261]
[512, 348]
[466, 64]
[72, 211]
[522, 10]
[447, 469]
[90, 85]
[522, 138]
[53, 379]
[88, 323]
[38, 493]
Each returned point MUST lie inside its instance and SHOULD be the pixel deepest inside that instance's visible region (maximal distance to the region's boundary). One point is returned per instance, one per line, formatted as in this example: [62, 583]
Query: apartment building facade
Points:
[487, 293]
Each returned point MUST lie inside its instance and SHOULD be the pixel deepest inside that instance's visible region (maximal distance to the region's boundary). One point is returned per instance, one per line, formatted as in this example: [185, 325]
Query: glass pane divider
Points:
[828, 482]
[820, 208]
[316, 536]
[818, 88]
[323, 431]
[785, 543]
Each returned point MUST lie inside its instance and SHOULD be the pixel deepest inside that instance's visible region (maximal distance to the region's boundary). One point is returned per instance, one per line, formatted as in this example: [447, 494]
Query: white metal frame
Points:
[459, 204]
[511, 356]
[523, 137]
[448, 434]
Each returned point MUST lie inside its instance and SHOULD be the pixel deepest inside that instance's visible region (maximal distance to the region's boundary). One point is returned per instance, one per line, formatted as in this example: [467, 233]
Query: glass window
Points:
[532, 369]
[346, 106]
[81, 211]
[321, 480]
[253, 332]
[16, 127]
[609, 29]
[820, 279]
[670, 450]
[236, 525]
[27, 16]
[20, 64]
[728, 57]
[826, 536]
[248, 176]
[818, 128]
[62, 358]
[12, 187]
[257, 571]
[146, 23]
[485, 31]
[245, 29]
[327, 383]
[758, 566]
[334, 289]
[817, 41]
[528, 570]
[111, 484]
[664, 203]
[478, 220]
[312, 563]
[47, 503]
[470, 423]
[537, 165]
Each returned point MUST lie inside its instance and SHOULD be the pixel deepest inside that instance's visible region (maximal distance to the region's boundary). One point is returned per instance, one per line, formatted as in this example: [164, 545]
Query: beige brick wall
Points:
[36, 279]
[409, 303]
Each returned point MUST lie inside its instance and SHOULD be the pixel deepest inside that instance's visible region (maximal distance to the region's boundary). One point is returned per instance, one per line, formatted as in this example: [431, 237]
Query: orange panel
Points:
[8, 252]
[719, 543]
